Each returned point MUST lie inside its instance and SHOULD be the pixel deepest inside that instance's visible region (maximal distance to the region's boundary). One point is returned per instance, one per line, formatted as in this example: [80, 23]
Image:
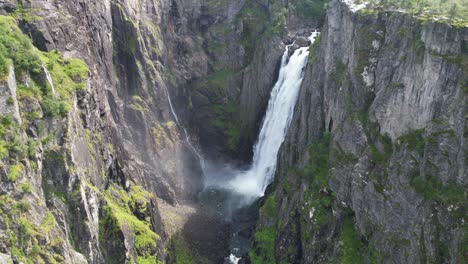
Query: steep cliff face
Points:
[89, 133]
[374, 165]
[103, 144]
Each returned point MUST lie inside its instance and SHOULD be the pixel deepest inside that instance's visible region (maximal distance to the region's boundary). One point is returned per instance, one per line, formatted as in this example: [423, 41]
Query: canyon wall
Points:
[373, 169]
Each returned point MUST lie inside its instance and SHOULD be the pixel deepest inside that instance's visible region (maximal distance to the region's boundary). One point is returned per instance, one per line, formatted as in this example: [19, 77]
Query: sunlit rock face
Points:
[377, 139]
[112, 113]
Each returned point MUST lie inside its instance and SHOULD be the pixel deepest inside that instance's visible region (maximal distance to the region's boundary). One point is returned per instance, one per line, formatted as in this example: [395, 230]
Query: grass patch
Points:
[17, 48]
[454, 12]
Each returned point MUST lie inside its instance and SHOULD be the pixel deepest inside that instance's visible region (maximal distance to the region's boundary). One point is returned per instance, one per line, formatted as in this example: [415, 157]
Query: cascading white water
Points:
[252, 183]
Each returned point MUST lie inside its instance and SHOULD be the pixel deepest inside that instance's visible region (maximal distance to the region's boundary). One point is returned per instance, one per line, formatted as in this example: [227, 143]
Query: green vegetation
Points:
[351, 248]
[312, 50]
[260, 23]
[14, 171]
[380, 146]
[455, 10]
[352, 245]
[120, 213]
[179, 251]
[414, 140]
[318, 196]
[24, 13]
[311, 8]
[339, 73]
[343, 158]
[26, 187]
[68, 76]
[12, 144]
[450, 195]
[30, 243]
[263, 249]
[138, 104]
[226, 119]
[17, 48]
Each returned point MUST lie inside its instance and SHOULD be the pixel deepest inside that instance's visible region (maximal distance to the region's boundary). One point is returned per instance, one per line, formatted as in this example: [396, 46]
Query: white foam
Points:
[252, 183]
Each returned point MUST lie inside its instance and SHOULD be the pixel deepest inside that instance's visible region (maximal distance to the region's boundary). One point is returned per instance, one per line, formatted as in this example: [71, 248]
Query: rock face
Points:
[99, 160]
[374, 165]
[103, 105]
[98, 145]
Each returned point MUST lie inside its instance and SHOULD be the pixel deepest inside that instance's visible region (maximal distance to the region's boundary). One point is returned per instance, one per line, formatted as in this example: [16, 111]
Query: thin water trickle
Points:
[186, 135]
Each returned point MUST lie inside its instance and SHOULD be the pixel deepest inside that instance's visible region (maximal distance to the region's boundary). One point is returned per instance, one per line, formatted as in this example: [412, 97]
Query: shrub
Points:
[414, 140]
[13, 172]
[312, 8]
[26, 187]
[55, 107]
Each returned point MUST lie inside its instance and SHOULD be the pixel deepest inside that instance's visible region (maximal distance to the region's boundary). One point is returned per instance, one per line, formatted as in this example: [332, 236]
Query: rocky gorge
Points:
[113, 114]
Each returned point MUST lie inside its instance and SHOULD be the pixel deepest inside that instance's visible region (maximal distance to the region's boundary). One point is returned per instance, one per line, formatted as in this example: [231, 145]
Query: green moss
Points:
[17, 47]
[118, 213]
[315, 9]
[454, 12]
[448, 195]
[227, 119]
[47, 224]
[352, 249]
[54, 107]
[68, 75]
[26, 187]
[352, 245]
[318, 197]
[264, 246]
[179, 251]
[260, 23]
[25, 230]
[269, 207]
[14, 171]
[263, 249]
[138, 104]
[380, 146]
[339, 72]
[22, 205]
[414, 140]
[313, 49]
[343, 158]
[12, 141]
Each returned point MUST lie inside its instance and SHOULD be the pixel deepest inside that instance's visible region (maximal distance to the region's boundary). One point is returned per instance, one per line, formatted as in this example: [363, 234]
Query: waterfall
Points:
[252, 183]
[186, 135]
[49, 79]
